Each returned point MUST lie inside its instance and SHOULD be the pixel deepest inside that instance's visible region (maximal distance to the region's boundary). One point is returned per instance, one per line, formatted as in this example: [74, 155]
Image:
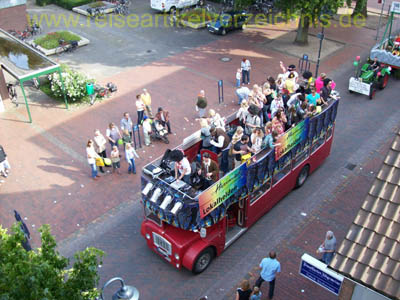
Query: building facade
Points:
[13, 14]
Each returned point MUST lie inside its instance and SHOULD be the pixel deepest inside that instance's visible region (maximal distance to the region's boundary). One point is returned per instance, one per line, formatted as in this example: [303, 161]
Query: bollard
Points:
[220, 91]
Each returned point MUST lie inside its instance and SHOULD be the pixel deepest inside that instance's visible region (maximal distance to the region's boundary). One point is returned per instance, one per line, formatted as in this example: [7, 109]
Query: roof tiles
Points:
[370, 252]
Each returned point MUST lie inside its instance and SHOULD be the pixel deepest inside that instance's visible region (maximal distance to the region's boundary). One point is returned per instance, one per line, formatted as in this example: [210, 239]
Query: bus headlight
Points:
[147, 236]
[176, 256]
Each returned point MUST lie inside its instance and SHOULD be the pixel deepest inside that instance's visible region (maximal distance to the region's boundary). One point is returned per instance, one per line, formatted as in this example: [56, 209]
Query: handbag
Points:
[99, 162]
[107, 161]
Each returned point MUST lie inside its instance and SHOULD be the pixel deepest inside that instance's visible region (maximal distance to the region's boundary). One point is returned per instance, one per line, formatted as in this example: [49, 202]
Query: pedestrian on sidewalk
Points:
[146, 98]
[146, 130]
[140, 107]
[115, 159]
[127, 124]
[328, 248]
[238, 77]
[269, 267]
[91, 157]
[201, 104]
[163, 117]
[245, 66]
[100, 145]
[244, 292]
[113, 135]
[130, 154]
[4, 164]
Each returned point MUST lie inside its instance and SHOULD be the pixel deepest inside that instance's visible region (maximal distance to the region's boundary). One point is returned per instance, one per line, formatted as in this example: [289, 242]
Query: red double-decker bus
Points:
[189, 227]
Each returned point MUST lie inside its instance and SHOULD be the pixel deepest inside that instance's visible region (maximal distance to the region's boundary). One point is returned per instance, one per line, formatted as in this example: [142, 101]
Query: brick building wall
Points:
[13, 16]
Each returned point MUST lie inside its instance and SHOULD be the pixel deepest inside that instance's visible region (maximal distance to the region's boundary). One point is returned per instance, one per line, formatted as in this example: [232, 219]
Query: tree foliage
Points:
[360, 8]
[309, 12]
[43, 273]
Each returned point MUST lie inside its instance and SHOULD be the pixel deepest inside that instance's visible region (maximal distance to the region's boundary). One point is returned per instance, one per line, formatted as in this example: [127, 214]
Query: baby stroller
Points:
[159, 132]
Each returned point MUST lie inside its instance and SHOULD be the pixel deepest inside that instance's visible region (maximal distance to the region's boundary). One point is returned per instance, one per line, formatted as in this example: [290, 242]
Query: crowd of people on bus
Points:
[266, 111]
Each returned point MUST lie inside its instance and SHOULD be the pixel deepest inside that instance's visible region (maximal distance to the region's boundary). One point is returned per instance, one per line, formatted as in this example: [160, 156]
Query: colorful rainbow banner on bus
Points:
[222, 190]
[291, 138]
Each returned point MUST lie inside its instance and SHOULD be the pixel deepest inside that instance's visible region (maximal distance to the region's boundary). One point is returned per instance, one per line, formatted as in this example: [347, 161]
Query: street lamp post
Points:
[321, 38]
[380, 19]
[126, 292]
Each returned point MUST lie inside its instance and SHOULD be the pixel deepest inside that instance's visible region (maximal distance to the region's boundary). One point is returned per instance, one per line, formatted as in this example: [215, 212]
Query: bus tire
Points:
[303, 175]
[203, 260]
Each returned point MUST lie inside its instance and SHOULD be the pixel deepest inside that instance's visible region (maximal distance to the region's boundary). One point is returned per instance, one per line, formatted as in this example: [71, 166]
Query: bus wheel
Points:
[301, 179]
[203, 260]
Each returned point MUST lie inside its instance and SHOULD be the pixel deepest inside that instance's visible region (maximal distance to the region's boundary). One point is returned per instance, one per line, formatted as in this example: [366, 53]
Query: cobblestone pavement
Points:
[50, 179]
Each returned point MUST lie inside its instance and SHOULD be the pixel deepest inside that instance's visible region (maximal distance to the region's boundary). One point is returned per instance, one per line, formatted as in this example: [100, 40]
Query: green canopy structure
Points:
[25, 63]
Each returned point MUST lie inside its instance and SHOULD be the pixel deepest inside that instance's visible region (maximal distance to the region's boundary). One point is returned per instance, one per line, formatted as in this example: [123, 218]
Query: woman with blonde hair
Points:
[257, 139]
[242, 112]
[91, 155]
[244, 292]
[237, 135]
[216, 120]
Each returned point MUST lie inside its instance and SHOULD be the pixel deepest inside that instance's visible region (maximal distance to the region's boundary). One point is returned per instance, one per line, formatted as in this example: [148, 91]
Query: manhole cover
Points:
[225, 59]
[350, 166]
[149, 51]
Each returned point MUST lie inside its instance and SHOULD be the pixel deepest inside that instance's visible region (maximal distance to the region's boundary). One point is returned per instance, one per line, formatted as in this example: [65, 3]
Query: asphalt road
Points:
[361, 126]
[119, 45]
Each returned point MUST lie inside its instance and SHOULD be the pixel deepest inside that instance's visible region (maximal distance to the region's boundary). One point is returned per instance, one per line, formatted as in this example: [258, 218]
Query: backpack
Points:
[112, 87]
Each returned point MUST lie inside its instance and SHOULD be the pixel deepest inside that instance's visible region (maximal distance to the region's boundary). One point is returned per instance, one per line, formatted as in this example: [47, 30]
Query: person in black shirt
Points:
[244, 292]
[326, 90]
[242, 147]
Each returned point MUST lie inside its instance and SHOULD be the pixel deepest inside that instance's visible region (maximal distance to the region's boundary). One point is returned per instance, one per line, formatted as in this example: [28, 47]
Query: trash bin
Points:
[89, 89]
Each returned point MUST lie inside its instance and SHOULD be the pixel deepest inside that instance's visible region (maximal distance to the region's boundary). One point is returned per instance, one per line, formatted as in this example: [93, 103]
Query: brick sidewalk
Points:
[335, 214]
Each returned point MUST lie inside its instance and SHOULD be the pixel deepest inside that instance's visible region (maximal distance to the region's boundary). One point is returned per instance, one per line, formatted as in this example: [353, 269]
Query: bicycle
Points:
[121, 9]
[12, 93]
[34, 29]
[22, 35]
[66, 46]
[96, 12]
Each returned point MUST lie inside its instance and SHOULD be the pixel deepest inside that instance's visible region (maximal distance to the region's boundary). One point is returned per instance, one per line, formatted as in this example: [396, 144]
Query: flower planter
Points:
[48, 52]
[108, 8]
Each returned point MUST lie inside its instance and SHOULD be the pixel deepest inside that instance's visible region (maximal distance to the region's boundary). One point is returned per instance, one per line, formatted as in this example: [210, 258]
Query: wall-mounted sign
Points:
[318, 272]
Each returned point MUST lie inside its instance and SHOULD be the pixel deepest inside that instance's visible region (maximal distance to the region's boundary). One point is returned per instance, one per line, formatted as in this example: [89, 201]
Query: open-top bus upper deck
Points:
[188, 208]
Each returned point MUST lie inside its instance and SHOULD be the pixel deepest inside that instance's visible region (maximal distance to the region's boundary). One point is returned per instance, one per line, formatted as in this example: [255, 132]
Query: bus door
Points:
[235, 221]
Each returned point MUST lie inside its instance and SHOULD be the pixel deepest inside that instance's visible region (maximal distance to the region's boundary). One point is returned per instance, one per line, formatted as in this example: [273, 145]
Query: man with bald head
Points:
[269, 267]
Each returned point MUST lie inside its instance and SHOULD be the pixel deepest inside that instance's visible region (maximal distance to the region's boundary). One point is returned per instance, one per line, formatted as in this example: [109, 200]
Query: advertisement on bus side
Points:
[222, 190]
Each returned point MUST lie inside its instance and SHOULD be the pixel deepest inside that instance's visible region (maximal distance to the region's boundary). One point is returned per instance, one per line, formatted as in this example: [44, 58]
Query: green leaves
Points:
[42, 273]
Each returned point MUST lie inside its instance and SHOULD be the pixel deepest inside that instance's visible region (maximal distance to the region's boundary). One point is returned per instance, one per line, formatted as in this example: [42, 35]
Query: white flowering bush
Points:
[74, 83]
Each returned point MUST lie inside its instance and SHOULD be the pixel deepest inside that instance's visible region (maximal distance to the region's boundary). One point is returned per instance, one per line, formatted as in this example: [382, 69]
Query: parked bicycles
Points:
[22, 35]
[34, 29]
[96, 12]
[66, 46]
[121, 9]
[102, 92]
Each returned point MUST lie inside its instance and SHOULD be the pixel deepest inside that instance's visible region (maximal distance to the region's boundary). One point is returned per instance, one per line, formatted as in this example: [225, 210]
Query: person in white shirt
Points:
[246, 67]
[130, 154]
[183, 170]
[146, 130]
[290, 69]
[91, 157]
[100, 145]
[140, 107]
[243, 94]
[276, 104]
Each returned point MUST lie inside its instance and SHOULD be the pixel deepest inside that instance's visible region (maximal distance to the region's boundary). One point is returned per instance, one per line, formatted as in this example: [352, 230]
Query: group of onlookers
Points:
[122, 137]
